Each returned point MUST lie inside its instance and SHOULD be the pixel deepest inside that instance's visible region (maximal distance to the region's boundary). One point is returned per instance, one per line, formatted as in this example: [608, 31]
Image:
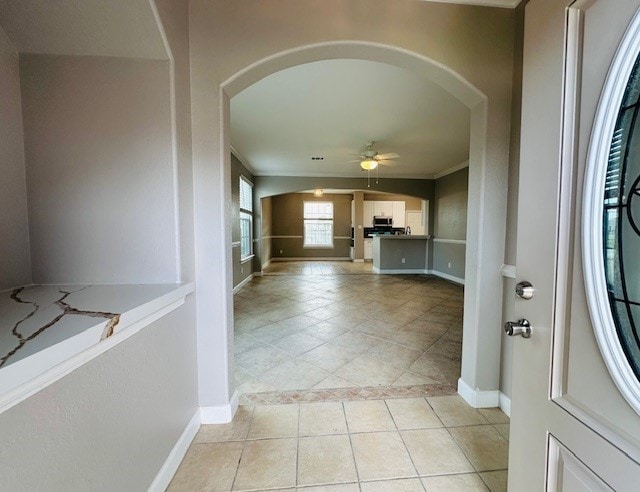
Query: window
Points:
[246, 218]
[318, 224]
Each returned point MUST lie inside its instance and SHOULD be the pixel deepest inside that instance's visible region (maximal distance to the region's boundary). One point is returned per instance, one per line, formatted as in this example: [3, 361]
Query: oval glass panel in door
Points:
[621, 222]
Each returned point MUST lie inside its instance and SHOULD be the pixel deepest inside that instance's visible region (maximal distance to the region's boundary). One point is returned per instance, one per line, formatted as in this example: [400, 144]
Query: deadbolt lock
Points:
[525, 290]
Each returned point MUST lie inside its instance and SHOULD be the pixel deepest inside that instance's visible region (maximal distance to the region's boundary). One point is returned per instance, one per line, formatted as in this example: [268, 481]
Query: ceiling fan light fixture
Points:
[318, 193]
[369, 164]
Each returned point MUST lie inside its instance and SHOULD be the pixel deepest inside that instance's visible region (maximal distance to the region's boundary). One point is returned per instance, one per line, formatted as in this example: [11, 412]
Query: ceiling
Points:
[124, 28]
[331, 108]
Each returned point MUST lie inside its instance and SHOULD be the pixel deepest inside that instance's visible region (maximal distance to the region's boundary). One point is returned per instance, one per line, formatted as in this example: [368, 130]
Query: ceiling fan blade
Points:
[356, 160]
[391, 155]
[387, 163]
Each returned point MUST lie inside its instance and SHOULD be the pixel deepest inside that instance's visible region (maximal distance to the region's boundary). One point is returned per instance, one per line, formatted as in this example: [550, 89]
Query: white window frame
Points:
[328, 220]
[246, 214]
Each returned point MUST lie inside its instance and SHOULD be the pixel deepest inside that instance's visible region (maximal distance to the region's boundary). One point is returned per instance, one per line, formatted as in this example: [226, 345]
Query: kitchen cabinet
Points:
[368, 249]
[398, 214]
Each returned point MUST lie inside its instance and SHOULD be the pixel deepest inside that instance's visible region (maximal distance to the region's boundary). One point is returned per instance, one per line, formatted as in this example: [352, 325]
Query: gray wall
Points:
[278, 185]
[241, 270]
[287, 220]
[391, 252]
[110, 424]
[15, 262]
[100, 176]
[450, 223]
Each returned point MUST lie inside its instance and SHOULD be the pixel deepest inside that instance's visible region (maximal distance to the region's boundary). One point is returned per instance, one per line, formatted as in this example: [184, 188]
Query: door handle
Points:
[520, 327]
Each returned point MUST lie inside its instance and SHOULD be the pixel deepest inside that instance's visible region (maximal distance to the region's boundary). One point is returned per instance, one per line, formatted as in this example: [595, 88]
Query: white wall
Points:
[15, 263]
[110, 424]
[100, 176]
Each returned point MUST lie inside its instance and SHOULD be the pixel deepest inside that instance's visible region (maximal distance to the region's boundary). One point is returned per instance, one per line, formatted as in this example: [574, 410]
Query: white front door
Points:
[574, 426]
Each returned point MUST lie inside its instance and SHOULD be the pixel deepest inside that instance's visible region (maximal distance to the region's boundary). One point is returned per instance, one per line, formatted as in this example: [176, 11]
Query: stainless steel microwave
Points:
[382, 221]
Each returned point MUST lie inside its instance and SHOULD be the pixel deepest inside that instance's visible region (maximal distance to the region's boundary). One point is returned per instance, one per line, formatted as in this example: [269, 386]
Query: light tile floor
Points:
[416, 444]
[333, 325]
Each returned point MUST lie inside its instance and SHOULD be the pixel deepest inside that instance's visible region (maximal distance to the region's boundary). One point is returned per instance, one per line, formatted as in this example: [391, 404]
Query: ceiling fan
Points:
[369, 158]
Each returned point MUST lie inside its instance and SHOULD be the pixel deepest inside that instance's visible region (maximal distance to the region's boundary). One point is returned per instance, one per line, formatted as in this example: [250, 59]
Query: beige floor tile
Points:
[494, 415]
[272, 332]
[347, 487]
[368, 416]
[403, 485]
[413, 413]
[254, 385]
[325, 460]
[470, 482]
[381, 455]
[261, 359]
[322, 418]
[434, 452]
[326, 330]
[270, 421]
[454, 411]
[393, 354]
[236, 430]
[209, 467]
[267, 464]
[330, 357]
[367, 371]
[354, 340]
[295, 374]
[334, 382]
[484, 446]
[410, 379]
[503, 430]
[495, 480]
[298, 343]
[437, 367]
[243, 343]
[299, 322]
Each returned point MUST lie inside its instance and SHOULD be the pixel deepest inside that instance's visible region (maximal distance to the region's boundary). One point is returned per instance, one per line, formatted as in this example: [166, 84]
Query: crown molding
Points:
[244, 161]
[504, 4]
[338, 175]
[451, 170]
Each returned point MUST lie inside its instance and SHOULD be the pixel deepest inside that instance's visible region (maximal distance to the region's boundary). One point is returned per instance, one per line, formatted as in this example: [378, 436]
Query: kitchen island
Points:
[403, 254]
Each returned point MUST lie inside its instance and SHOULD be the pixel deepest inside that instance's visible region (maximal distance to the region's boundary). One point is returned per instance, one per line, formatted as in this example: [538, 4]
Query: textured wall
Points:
[100, 175]
[111, 423]
[15, 262]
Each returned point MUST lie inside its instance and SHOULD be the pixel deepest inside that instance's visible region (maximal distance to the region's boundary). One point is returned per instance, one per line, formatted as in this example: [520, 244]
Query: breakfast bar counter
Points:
[400, 254]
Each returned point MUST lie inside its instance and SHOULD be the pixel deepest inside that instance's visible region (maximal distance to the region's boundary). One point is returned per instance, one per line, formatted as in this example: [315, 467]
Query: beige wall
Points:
[287, 226]
[15, 262]
[100, 170]
[266, 231]
[241, 270]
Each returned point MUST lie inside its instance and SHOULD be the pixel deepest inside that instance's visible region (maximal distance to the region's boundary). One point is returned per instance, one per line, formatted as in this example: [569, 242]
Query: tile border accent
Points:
[220, 414]
[346, 394]
[176, 455]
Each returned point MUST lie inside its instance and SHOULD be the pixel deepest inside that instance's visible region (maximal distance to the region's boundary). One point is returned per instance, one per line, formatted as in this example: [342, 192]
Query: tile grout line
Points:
[353, 453]
[404, 443]
[244, 445]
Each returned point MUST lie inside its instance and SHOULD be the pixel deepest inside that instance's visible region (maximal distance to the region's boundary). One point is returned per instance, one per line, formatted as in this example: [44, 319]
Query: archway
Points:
[486, 220]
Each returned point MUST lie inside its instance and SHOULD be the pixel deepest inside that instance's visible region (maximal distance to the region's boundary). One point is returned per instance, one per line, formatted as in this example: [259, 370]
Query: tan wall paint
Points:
[15, 261]
[265, 253]
[287, 220]
[98, 147]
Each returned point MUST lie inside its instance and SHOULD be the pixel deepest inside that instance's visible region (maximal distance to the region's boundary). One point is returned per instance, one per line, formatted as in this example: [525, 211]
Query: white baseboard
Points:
[239, 287]
[478, 398]
[446, 276]
[358, 260]
[314, 258]
[220, 414]
[400, 271]
[505, 404]
[171, 464]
